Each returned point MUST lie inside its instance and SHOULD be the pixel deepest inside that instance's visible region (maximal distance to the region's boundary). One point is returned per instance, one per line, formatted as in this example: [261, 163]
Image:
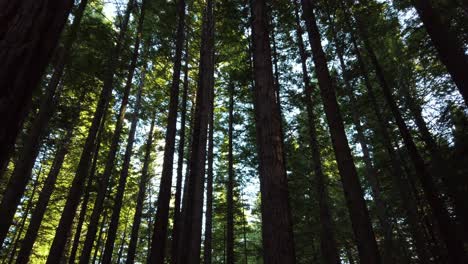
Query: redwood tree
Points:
[277, 233]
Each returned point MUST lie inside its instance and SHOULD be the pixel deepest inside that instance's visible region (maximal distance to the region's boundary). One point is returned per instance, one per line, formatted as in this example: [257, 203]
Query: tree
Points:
[277, 233]
[29, 35]
[368, 251]
[158, 241]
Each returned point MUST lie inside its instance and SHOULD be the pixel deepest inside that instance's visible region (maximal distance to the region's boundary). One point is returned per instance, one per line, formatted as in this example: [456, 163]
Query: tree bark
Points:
[29, 33]
[84, 203]
[277, 234]
[159, 239]
[230, 182]
[112, 230]
[76, 189]
[209, 191]
[180, 160]
[141, 196]
[22, 171]
[183, 212]
[360, 220]
[192, 224]
[329, 248]
[46, 192]
[450, 51]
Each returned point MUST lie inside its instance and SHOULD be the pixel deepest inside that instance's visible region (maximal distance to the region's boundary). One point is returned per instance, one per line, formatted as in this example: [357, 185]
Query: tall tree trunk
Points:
[401, 184]
[445, 224]
[22, 171]
[99, 239]
[449, 177]
[209, 191]
[158, 241]
[112, 231]
[451, 52]
[180, 160]
[141, 196]
[183, 212]
[230, 182]
[110, 161]
[362, 227]
[28, 208]
[192, 224]
[329, 248]
[84, 203]
[29, 32]
[76, 189]
[277, 234]
[46, 192]
[389, 253]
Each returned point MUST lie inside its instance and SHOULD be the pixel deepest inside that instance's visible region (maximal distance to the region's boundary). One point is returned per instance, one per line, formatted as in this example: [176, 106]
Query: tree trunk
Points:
[277, 234]
[46, 192]
[362, 227]
[99, 239]
[401, 184]
[183, 212]
[180, 160]
[158, 241]
[209, 191]
[112, 231]
[29, 33]
[329, 248]
[76, 189]
[451, 52]
[445, 225]
[84, 203]
[22, 171]
[449, 176]
[28, 208]
[192, 224]
[141, 196]
[230, 182]
[389, 253]
[111, 156]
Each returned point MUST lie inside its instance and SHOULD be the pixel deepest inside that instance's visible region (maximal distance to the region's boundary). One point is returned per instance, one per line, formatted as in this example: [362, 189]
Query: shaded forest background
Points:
[301, 131]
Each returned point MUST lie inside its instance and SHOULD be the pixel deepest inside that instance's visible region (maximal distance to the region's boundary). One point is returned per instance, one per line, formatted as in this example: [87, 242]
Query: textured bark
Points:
[141, 196]
[444, 223]
[77, 186]
[180, 160]
[29, 33]
[183, 212]
[209, 192]
[159, 239]
[277, 234]
[46, 192]
[400, 182]
[192, 224]
[328, 245]
[451, 52]
[25, 163]
[118, 200]
[360, 220]
[230, 183]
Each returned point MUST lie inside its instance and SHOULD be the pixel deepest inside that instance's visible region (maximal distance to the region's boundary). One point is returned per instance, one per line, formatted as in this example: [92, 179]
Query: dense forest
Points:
[229, 131]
